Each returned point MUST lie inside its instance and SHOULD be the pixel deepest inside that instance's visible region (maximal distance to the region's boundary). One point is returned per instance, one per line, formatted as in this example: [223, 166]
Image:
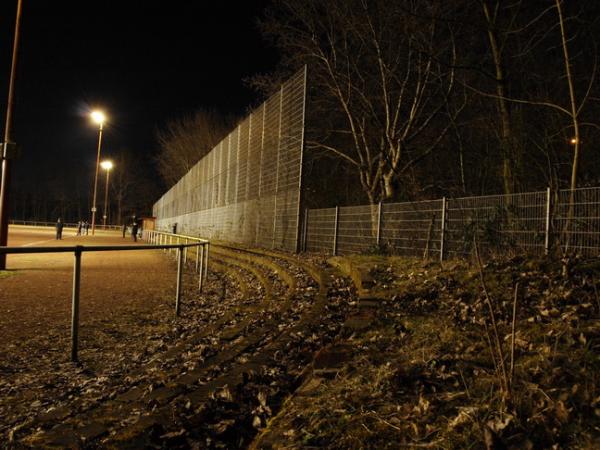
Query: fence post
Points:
[75, 302]
[185, 250]
[547, 225]
[335, 230]
[443, 229]
[378, 223]
[197, 257]
[305, 230]
[179, 274]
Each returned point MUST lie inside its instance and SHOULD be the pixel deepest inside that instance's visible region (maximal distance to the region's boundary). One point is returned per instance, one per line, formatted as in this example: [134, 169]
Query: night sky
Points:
[142, 62]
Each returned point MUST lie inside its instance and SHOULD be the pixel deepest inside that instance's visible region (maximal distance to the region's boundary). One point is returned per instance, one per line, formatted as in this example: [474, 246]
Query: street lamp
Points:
[99, 118]
[106, 165]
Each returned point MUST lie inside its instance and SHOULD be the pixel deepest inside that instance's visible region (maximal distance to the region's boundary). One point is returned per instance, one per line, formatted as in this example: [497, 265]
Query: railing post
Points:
[206, 260]
[197, 257]
[378, 223]
[201, 271]
[179, 276]
[443, 229]
[185, 250]
[547, 225]
[335, 229]
[75, 303]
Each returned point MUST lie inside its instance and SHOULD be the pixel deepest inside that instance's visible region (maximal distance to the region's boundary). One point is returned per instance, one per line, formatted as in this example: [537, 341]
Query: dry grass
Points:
[424, 376]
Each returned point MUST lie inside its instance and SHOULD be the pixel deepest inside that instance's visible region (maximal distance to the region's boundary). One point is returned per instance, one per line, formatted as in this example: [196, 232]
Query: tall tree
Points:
[383, 72]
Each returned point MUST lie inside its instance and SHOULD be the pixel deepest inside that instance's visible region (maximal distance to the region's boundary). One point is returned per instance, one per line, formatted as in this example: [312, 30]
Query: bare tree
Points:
[382, 71]
[496, 37]
[184, 141]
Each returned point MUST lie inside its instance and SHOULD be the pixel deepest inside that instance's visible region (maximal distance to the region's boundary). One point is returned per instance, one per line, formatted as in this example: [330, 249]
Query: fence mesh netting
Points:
[529, 222]
[247, 188]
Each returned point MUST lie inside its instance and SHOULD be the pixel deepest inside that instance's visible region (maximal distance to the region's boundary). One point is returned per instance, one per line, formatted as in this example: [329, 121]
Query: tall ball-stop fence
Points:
[247, 189]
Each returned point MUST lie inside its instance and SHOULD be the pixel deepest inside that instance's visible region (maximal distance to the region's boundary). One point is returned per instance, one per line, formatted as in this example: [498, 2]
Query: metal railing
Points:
[530, 222]
[77, 250]
[157, 237]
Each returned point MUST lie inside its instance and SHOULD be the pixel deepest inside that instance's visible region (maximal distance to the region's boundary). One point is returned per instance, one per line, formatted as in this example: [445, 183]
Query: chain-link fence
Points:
[247, 189]
[532, 222]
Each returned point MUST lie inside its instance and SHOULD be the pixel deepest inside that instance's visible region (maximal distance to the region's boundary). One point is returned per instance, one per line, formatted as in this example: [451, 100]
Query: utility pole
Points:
[6, 153]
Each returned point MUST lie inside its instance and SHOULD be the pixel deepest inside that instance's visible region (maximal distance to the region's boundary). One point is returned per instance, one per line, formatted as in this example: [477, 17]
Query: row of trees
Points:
[63, 191]
[416, 98]
[183, 141]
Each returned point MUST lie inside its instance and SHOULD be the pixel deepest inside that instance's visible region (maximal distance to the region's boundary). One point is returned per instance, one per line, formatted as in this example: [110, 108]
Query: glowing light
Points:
[106, 165]
[98, 117]
[573, 141]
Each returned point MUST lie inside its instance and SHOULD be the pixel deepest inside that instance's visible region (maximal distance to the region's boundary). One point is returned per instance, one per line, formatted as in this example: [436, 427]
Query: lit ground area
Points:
[118, 291]
[218, 372]
[19, 235]
[282, 351]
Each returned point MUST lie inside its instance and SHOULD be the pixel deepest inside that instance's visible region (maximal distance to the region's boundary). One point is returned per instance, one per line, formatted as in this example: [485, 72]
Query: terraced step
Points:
[267, 340]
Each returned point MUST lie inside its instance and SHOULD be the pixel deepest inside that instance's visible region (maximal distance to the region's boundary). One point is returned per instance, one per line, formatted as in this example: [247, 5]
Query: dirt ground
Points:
[210, 378]
[118, 290]
[36, 290]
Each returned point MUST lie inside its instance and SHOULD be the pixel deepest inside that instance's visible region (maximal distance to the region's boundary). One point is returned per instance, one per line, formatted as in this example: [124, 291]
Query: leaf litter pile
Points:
[500, 355]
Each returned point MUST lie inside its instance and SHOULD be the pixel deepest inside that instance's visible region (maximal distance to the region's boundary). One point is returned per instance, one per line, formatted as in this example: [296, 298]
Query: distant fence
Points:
[247, 188]
[531, 222]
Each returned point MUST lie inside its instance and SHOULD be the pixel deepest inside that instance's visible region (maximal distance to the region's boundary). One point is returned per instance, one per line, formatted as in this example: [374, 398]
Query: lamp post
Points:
[99, 118]
[8, 135]
[106, 165]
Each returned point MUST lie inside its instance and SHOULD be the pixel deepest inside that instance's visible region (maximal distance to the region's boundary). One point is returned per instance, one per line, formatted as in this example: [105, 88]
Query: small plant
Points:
[381, 249]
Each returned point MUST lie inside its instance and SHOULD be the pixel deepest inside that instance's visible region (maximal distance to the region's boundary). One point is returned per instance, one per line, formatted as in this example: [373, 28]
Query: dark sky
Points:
[143, 62]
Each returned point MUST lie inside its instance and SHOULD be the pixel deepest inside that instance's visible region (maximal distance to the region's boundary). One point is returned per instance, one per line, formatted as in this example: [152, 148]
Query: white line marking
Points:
[38, 242]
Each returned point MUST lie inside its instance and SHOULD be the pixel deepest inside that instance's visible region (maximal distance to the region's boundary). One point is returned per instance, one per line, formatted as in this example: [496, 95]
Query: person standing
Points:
[79, 227]
[59, 229]
[124, 229]
[134, 230]
[86, 226]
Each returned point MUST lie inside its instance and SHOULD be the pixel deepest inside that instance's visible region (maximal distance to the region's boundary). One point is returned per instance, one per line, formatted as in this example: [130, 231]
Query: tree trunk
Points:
[575, 123]
[506, 138]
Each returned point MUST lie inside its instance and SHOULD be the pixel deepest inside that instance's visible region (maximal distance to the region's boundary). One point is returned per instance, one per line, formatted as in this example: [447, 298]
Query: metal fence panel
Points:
[320, 229]
[515, 221]
[583, 232]
[530, 222]
[357, 228]
[247, 188]
[412, 229]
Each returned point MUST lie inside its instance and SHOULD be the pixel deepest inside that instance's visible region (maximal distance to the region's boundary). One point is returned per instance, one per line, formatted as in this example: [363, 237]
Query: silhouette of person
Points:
[134, 230]
[59, 228]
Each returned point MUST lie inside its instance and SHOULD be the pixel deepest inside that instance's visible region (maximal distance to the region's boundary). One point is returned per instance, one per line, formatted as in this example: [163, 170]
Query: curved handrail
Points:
[77, 250]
